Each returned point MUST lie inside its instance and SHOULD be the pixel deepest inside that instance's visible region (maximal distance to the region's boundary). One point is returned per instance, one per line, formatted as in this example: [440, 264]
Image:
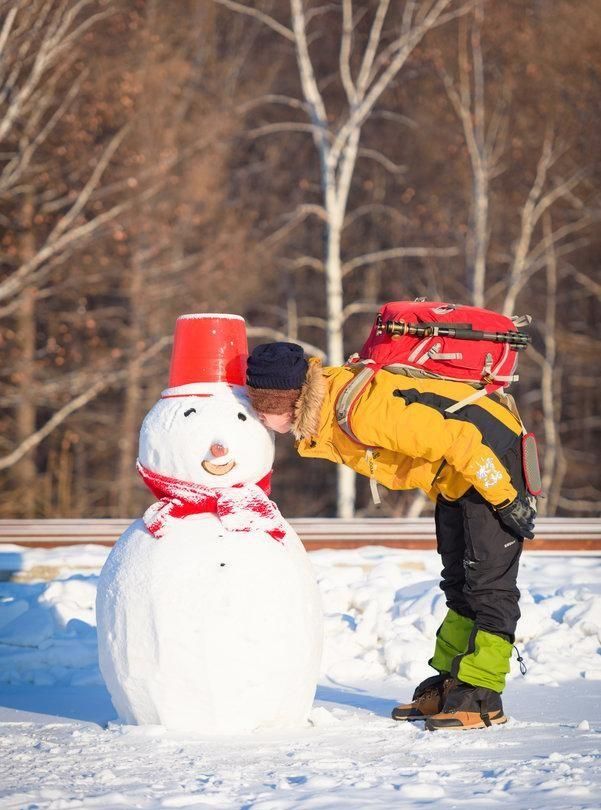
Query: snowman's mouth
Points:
[218, 469]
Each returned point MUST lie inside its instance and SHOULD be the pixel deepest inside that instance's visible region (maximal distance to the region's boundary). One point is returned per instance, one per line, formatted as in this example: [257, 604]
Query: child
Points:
[469, 463]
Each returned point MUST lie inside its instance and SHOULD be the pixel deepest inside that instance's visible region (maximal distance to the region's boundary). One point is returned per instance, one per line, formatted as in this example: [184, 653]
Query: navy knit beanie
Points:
[276, 365]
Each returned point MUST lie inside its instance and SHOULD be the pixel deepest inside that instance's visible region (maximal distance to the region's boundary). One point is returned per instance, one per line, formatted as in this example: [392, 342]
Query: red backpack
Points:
[446, 342]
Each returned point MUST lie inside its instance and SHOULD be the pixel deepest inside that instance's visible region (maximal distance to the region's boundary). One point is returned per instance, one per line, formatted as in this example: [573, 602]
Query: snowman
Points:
[209, 616]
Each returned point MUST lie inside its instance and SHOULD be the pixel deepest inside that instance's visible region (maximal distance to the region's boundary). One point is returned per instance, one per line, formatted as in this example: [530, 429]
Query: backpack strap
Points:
[481, 392]
[373, 484]
[345, 404]
[520, 321]
[509, 402]
[492, 376]
[348, 396]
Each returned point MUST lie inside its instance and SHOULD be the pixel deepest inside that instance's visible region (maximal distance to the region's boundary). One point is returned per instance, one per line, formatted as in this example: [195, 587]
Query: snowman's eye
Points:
[189, 411]
[242, 417]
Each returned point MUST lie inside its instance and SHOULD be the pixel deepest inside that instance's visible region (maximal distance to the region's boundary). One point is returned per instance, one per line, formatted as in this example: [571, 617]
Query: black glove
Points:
[518, 516]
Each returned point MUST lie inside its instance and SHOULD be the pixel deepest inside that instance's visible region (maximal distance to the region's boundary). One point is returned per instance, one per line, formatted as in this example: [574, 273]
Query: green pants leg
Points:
[479, 579]
[486, 662]
[471, 655]
[452, 640]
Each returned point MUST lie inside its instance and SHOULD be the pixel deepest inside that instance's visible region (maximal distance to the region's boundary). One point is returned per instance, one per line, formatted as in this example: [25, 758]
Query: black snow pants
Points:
[481, 557]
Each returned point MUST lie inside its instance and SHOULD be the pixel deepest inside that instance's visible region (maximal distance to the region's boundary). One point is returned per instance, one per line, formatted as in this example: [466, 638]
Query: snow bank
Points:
[48, 632]
[57, 751]
[382, 609]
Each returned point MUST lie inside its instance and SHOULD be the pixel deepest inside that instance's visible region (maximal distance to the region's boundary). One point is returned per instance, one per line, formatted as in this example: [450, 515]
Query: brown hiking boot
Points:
[468, 706]
[428, 699]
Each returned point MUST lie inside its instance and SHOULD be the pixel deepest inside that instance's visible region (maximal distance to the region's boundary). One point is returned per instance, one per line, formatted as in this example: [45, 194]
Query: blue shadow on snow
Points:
[358, 699]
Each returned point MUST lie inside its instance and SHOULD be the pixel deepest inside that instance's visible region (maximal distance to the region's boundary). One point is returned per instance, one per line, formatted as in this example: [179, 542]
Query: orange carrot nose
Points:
[218, 450]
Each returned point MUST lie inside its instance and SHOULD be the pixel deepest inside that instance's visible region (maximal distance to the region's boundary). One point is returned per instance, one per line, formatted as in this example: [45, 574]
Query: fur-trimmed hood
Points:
[308, 406]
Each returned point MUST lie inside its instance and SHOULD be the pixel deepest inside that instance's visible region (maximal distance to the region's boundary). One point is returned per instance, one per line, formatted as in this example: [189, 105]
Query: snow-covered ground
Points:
[60, 746]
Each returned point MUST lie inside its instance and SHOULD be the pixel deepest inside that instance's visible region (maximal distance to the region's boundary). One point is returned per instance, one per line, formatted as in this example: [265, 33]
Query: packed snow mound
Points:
[208, 630]
[381, 608]
[208, 612]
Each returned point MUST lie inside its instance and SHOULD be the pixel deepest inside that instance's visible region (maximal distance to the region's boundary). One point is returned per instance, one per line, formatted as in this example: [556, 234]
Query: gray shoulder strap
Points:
[349, 395]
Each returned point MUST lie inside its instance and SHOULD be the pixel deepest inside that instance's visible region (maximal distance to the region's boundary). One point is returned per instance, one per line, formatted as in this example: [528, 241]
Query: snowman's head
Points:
[215, 440]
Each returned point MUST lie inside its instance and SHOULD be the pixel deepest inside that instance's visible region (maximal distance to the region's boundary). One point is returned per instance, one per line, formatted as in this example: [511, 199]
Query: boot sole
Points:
[497, 722]
[410, 719]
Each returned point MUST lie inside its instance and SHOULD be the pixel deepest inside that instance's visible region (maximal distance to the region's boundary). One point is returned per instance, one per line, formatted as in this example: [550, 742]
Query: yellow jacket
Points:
[415, 445]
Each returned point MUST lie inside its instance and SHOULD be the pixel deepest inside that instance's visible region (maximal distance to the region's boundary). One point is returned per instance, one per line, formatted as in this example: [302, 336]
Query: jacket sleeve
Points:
[420, 431]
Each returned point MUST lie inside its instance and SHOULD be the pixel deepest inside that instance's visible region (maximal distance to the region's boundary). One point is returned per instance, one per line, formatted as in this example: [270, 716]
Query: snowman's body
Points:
[206, 629]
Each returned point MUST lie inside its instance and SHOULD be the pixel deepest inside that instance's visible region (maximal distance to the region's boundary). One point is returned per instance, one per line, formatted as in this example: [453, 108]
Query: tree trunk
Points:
[346, 484]
[25, 417]
[548, 376]
[128, 440]
[417, 505]
[480, 236]
[480, 161]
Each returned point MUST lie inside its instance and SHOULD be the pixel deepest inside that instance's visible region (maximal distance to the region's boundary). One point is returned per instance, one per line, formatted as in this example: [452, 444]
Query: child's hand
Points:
[518, 516]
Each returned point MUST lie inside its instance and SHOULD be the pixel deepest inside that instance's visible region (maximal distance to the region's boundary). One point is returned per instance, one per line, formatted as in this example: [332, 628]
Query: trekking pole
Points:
[461, 331]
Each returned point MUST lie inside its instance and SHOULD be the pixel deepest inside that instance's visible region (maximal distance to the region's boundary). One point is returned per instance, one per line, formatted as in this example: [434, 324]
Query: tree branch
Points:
[404, 45]
[14, 283]
[311, 92]
[270, 22]
[358, 307]
[273, 98]
[588, 283]
[369, 208]
[276, 334]
[345, 51]
[373, 42]
[108, 381]
[305, 261]
[397, 253]
[386, 163]
[285, 126]
[294, 219]
[84, 195]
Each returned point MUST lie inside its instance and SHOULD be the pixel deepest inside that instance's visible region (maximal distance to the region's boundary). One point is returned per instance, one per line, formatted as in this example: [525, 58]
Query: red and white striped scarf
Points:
[241, 508]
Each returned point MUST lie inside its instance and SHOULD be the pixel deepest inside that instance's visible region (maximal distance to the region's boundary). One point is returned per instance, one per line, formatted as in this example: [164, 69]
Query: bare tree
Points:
[365, 74]
[540, 242]
[38, 86]
[553, 463]
[539, 246]
[531, 248]
[157, 157]
[100, 383]
[64, 208]
[484, 141]
[485, 136]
